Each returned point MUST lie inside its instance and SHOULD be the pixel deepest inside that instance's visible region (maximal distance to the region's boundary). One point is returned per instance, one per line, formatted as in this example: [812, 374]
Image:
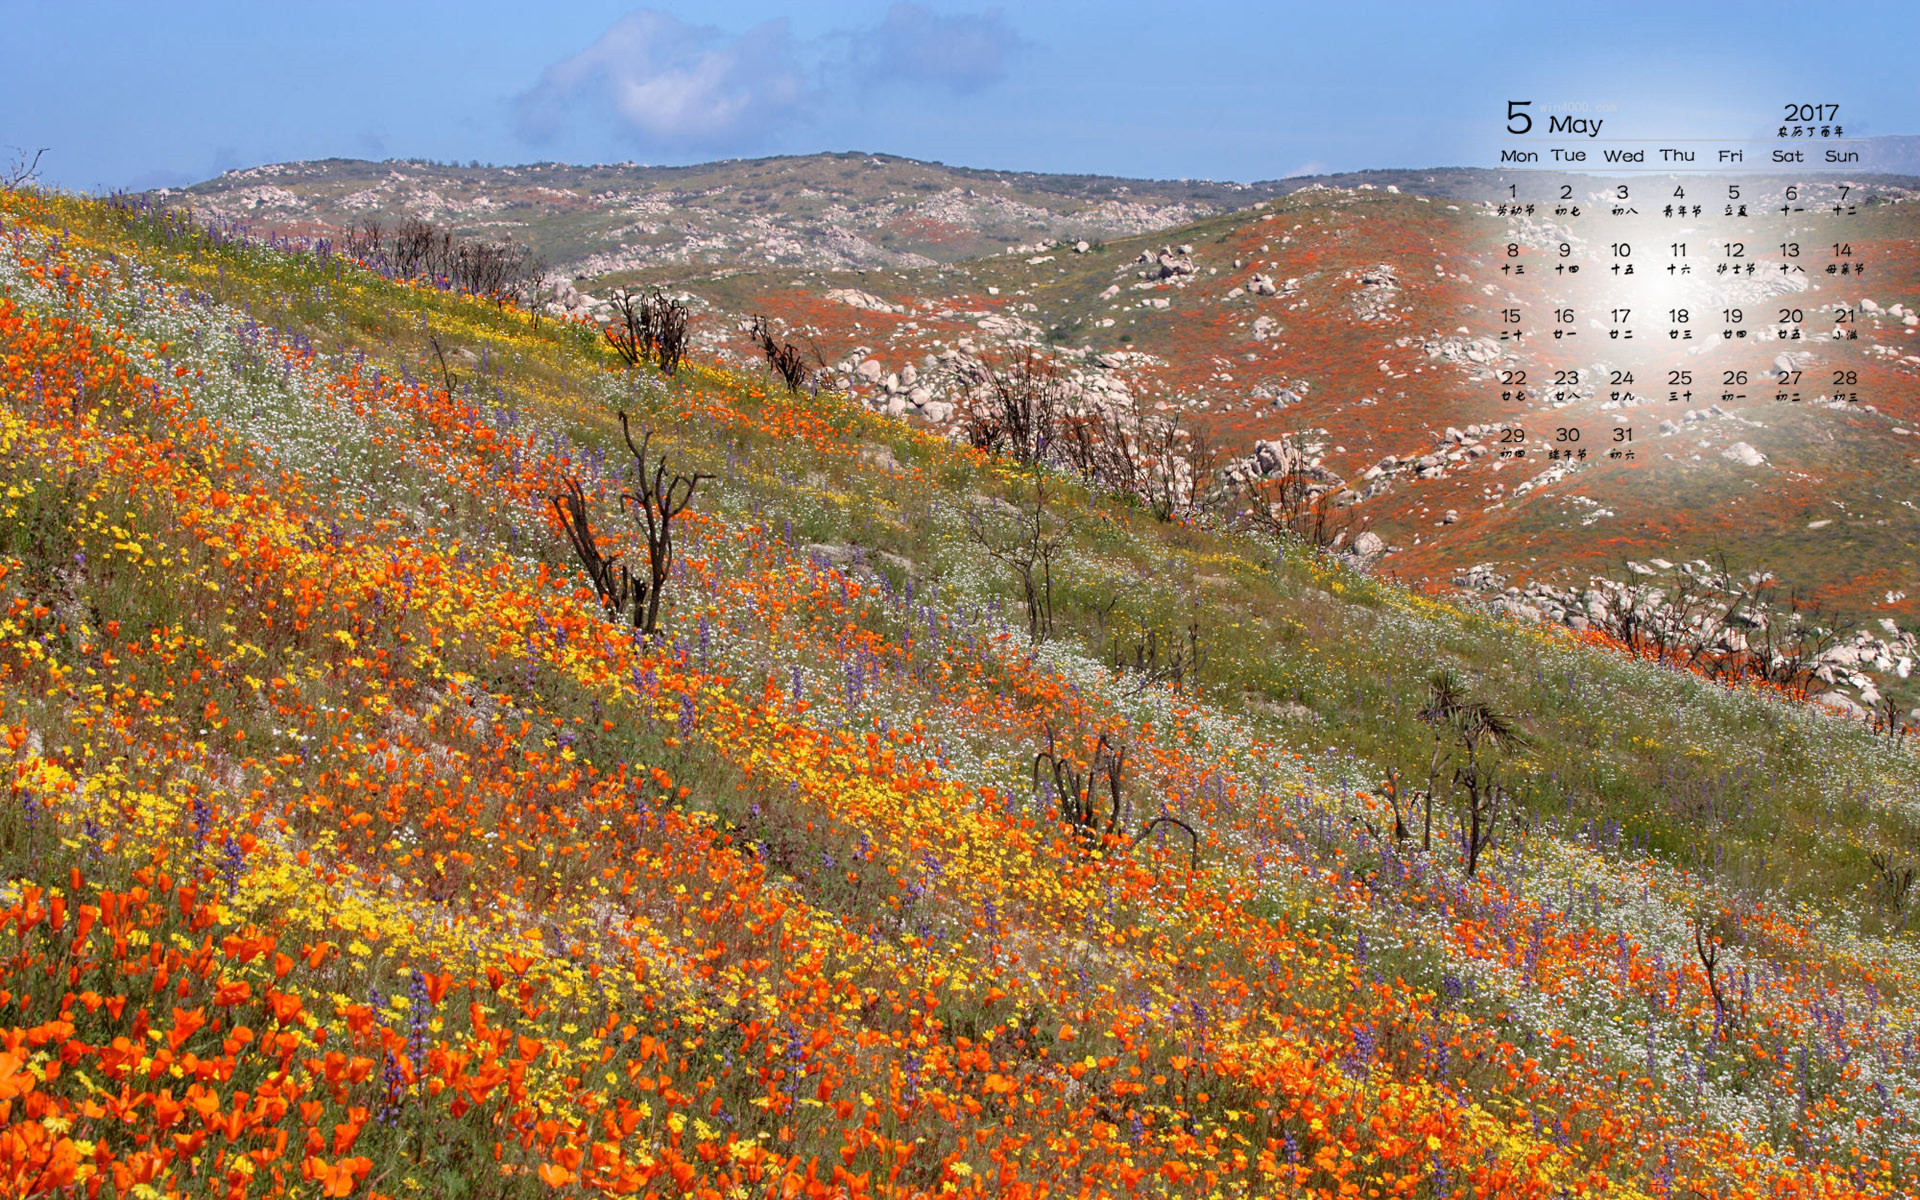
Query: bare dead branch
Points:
[621, 595]
[1707, 946]
[446, 376]
[785, 358]
[23, 170]
[1029, 551]
[1076, 789]
[654, 501]
[659, 499]
[1194, 861]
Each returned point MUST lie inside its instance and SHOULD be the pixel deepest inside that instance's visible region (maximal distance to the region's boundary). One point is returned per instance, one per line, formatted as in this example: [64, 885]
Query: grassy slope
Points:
[1744, 806]
[1680, 499]
[749, 213]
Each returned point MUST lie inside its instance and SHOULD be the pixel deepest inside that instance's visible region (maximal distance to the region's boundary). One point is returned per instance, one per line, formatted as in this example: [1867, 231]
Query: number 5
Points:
[1513, 116]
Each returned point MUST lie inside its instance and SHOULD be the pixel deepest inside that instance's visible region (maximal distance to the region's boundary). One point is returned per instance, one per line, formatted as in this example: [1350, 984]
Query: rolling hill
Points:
[964, 829]
[819, 211]
[1377, 344]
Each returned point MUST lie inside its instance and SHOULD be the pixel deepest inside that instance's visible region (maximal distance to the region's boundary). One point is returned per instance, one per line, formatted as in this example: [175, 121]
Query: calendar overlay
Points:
[1642, 284]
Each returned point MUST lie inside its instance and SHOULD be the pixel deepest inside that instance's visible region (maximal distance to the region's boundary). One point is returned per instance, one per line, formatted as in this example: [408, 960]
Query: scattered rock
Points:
[855, 298]
[1840, 706]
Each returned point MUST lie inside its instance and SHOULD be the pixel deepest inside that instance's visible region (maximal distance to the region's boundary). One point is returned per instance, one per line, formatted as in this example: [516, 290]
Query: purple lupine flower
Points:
[911, 1089]
[418, 1006]
[392, 1091]
[233, 863]
[1364, 1046]
[202, 820]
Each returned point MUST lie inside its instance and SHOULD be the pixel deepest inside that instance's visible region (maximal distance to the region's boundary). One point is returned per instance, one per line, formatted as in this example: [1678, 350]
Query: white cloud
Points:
[667, 85]
[671, 85]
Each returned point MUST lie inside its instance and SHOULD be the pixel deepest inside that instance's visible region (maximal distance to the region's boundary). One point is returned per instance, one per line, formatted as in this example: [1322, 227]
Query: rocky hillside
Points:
[833, 211]
[1360, 324]
[827, 211]
[1363, 326]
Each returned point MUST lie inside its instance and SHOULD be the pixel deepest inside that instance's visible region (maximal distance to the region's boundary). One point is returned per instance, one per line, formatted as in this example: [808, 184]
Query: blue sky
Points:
[145, 94]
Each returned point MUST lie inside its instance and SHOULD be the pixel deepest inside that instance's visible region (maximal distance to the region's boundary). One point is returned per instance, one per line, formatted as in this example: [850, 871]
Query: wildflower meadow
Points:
[351, 849]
